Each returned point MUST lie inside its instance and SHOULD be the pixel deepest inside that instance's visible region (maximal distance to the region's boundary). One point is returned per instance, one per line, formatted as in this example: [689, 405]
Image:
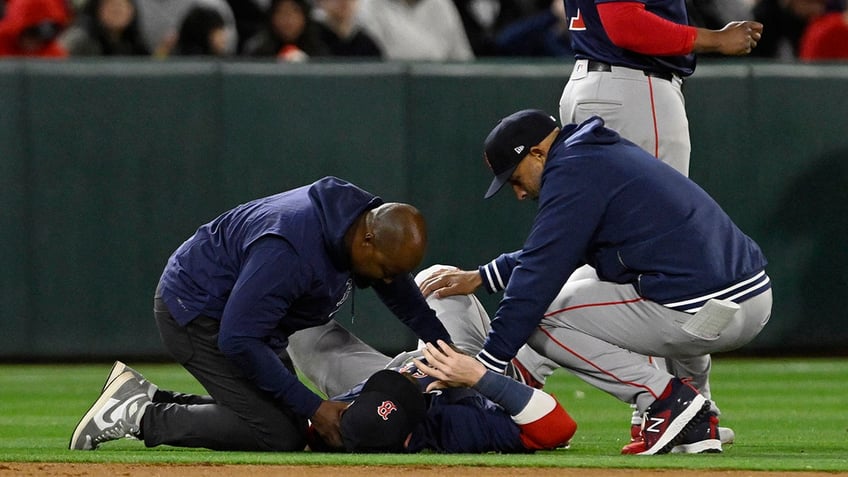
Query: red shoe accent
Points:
[526, 377]
[635, 432]
[636, 446]
[637, 442]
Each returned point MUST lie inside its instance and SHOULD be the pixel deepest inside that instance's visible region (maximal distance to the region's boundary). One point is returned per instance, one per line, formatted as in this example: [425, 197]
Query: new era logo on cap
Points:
[510, 141]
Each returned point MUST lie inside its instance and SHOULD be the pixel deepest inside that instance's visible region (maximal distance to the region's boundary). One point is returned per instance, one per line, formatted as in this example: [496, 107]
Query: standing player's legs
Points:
[646, 110]
[671, 125]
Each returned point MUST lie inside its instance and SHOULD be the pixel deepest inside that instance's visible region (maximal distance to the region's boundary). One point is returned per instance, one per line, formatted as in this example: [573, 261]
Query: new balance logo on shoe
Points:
[654, 424]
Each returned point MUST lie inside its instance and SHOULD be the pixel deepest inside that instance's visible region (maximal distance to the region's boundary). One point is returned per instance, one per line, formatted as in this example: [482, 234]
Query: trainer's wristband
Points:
[492, 363]
[491, 276]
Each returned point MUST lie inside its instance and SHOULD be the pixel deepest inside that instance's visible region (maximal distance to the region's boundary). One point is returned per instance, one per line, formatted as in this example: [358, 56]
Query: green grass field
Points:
[788, 414]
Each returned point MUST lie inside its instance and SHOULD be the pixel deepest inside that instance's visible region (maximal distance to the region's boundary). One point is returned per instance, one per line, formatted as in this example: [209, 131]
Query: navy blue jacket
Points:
[276, 265]
[607, 203]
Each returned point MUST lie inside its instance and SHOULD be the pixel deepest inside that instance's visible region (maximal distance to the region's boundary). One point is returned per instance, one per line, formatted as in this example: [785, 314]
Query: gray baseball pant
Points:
[603, 331]
[335, 360]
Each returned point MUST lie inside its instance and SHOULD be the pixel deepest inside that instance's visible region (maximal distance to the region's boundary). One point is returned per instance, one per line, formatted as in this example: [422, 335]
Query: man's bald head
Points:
[388, 241]
[400, 234]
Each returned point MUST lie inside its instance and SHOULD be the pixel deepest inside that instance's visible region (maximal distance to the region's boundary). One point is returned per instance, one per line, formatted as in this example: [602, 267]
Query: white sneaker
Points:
[119, 368]
[116, 414]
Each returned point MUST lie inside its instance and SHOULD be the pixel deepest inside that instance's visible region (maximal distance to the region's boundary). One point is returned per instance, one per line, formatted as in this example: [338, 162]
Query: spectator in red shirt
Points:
[31, 28]
[826, 38]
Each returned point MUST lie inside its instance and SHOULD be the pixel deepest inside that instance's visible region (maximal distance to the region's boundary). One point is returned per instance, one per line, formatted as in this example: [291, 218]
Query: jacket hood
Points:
[590, 131]
[339, 203]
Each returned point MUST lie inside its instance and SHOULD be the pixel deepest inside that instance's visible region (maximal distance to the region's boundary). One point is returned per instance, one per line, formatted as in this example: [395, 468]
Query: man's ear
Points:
[538, 152]
[365, 244]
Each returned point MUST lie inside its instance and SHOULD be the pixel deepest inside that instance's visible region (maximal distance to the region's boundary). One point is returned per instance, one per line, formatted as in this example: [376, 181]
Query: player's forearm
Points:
[736, 38]
[706, 41]
[510, 394]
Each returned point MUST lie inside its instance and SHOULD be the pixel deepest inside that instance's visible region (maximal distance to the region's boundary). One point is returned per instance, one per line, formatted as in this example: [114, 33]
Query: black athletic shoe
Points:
[668, 420]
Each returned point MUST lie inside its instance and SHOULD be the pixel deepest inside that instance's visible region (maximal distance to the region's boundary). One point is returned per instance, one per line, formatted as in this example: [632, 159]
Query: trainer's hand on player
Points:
[736, 38]
[452, 368]
[450, 281]
[327, 422]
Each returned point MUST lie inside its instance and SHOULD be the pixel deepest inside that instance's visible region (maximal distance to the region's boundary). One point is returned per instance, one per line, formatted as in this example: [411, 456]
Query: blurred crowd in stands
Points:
[425, 30]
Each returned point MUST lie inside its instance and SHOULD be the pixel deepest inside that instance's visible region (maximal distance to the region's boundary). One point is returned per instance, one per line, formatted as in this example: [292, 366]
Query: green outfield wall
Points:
[106, 167]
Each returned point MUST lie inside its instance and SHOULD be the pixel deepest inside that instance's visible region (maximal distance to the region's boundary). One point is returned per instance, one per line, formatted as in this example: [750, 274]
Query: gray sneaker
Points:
[119, 368]
[116, 414]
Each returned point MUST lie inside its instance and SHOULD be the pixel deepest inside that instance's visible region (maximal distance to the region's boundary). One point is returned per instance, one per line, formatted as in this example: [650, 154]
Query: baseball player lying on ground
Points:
[435, 397]
[452, 405]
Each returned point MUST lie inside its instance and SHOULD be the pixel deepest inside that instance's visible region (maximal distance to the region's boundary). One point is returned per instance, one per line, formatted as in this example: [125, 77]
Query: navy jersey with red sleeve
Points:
[590, 41]
[498, 415]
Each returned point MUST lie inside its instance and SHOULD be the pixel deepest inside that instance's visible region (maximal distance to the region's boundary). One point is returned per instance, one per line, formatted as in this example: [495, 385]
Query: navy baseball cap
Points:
[384, 414]
[511, 140]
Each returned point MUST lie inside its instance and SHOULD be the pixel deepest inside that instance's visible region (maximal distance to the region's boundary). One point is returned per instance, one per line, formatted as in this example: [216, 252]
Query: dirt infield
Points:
[10, 469]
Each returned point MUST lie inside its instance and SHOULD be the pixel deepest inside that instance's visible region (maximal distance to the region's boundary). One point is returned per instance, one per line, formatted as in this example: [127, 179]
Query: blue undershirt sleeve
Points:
[512, 395]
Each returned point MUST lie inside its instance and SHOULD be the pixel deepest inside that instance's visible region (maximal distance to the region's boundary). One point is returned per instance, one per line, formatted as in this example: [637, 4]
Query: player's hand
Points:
[450, 367]
[450, 281]
[327, 422]
[741, 37]
[736, 38]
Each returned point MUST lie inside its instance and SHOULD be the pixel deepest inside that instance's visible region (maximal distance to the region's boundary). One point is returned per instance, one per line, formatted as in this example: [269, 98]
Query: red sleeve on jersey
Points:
[628, 25]
[552, 430]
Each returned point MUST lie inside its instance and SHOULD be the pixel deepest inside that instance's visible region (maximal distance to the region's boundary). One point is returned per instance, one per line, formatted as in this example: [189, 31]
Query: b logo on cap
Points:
[386, 408]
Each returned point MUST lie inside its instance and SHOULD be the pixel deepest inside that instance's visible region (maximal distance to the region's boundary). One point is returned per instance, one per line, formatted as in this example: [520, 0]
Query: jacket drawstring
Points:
[352, 303]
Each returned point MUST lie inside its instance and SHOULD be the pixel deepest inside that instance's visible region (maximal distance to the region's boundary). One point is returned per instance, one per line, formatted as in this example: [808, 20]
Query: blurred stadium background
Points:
[106, 167]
